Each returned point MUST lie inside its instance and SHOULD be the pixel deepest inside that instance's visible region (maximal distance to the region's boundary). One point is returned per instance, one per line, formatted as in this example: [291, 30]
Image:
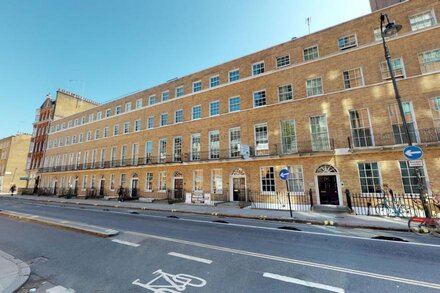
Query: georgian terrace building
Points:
[321, 105]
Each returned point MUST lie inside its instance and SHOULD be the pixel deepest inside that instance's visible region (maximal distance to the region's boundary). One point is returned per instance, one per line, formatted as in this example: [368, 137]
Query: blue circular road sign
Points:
[412, 152]
[284, 174]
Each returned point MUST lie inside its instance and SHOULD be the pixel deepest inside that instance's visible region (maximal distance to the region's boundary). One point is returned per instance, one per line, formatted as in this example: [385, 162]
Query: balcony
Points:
[425, 135]
[272, 150]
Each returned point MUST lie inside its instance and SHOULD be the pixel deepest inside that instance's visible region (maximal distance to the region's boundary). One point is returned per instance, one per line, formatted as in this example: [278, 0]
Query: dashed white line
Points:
[303, 283]
[194, 258]
[126, 243]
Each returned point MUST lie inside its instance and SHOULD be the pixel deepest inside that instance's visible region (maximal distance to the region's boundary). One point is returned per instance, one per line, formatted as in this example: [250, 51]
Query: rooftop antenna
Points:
[308, 21]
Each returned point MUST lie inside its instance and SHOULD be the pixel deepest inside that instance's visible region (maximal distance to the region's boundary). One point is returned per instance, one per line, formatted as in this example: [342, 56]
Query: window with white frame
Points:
[149, 181]
[319, 133]
[93, 159]
[353, 78]
[261, 140]
[74, 139]
[311, 53]
[288, 137]
[123, 180]
[422, 20]
[397, 124]
[214, 144]
[258, 68]
[148, 152]
[76, 122]
[126, 127]
[435, 108]
[360, 128]
[196, 112]
[178, 116]
[69, 124]
[234, 75]
[234, 142]
[139, 103]
[85, 160]
[102, 158]
[429, 61]
[234, 104]
[89, 135]
[214, 81]
[369, 177]
[117, 110]
[163, 119]
[105, 132]
[115, 129]
[134, 154]
[409, 178]
[112, 182]
[137, 125]
[123, 155]
[378, 35]
[197, 86]
[108, 113]
[162, 150]
[214, 108]
[96, 134]
[314, 87]
[295, 182]
[84, 183]
[283, 61]
[259, 98]
[267, 175]
[113, 151]
[195, 147]
[198, 180]
[216, 181]
[63, 125]
[150, 122]
[179, 91]
[162, 181]
[165, 96]
[285, 93]
[151, 100]
[127, 107]
[347, 42]
[99, 116]
[177, 149]
[396, 65]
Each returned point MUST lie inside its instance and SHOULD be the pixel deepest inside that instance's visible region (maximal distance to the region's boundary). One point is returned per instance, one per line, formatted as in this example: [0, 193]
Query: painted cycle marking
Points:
[176, 283]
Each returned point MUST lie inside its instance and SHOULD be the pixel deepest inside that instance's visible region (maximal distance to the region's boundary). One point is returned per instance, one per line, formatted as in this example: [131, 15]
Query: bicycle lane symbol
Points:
[176, 283]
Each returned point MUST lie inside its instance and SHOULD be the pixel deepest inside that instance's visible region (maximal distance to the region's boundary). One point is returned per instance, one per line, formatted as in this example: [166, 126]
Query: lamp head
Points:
[391, 28]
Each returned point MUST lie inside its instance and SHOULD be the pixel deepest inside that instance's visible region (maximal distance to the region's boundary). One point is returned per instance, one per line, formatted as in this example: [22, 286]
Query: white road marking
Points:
[303, 283]
[296, 261]
[126, 243]
[194, 258]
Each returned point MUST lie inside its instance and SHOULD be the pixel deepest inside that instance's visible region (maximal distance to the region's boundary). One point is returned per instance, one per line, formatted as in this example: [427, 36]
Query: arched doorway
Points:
[178, 185]
[134, 185]
[237, 185]
[328, 187]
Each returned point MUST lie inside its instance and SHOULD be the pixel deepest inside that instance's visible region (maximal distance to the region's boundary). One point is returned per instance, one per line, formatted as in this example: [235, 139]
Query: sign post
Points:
[284, 175]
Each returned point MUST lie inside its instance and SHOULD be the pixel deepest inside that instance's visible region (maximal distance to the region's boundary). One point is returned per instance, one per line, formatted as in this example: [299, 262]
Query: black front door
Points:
[238, 189]
[134, 187]
[101, 188]
[178, 188]
[328, 189]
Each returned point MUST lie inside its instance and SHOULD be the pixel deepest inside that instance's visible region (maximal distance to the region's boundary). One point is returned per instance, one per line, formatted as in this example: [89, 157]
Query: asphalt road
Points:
[200, 255]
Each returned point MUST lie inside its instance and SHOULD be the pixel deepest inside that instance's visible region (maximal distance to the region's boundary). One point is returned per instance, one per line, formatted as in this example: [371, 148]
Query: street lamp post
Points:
[391, 28]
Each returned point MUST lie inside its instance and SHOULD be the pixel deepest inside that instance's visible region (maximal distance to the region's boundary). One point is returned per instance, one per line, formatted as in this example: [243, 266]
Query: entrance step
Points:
[328, 208]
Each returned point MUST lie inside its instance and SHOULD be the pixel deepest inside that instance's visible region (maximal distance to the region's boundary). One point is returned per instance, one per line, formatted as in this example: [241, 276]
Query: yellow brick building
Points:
[321, 105]
[13, 153]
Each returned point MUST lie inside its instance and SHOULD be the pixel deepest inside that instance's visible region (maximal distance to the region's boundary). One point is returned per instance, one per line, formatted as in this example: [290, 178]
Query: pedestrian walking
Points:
[12, 190]
[121, 194]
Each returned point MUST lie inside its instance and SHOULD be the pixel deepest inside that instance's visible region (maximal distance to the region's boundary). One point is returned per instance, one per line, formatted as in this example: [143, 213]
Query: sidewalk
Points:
[342, 220]
[13, 273]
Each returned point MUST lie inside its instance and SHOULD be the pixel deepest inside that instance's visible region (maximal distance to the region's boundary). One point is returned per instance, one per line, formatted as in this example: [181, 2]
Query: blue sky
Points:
[105, 49]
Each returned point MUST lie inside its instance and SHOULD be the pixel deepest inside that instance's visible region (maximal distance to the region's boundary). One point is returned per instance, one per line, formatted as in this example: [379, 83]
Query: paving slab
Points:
[13, 273]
